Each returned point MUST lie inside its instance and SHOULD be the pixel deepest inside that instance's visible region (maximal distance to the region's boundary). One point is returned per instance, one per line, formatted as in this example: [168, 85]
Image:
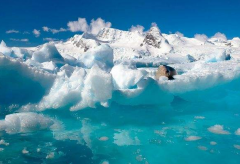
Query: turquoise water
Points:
[125, 134]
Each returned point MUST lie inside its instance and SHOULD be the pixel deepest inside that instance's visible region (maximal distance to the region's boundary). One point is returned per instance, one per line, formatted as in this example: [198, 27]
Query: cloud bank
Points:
[12, 31]
[137, 28]
[19, 40]
[221, 36]
[52, 30]
[179, 34]
[82, 25]
[50, 39]
[201, 37]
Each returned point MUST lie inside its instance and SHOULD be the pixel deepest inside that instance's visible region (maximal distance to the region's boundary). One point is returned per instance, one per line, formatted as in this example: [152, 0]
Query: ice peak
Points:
[154, 37]
[154, 31]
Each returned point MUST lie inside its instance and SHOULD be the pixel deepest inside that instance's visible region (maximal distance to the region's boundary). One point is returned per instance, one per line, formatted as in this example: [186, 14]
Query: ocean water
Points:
[179, 133]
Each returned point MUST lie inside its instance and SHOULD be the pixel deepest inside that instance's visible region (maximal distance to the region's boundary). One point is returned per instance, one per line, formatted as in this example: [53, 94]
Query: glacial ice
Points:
[101, 56]
[97, 89]
[126, 76]
[48, 52]
[21, 84]
[140, 95]
[219, 56]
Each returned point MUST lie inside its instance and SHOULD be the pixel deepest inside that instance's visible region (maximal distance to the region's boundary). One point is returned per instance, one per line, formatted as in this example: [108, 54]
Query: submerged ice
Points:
[99, 96]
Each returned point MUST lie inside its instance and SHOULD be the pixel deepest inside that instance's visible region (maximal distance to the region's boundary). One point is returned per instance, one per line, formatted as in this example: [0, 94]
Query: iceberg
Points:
[25, 122]
[98, 96]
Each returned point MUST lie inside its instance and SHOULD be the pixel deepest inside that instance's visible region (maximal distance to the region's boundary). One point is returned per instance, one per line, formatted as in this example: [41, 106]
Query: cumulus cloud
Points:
[137, 28]
[82, 25]
[79, 25]
[50, 39]
[45, 28]
[179, 34]
[218, 129]
[98, 24]
[201, 37]
[12, 31]
[219, 35]
[36, 32]
[19, 40]
[54, 31]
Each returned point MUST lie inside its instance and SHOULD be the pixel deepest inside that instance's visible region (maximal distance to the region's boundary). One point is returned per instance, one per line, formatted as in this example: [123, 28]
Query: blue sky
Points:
[186, 16]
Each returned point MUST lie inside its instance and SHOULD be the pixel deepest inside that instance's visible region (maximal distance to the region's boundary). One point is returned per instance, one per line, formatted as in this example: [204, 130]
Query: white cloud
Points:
[218, 129]
[50, 39]
[154, 24]
[54, 31]
[219, 35]
[79, 25]
[179, 34]
[45, 28]
[137, 28]
[201, 37]
[36, 32]
[82, 25]
[12, 31]
[98, 24]
[26, 32]
[19, 40]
